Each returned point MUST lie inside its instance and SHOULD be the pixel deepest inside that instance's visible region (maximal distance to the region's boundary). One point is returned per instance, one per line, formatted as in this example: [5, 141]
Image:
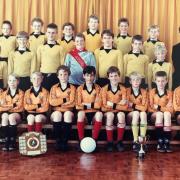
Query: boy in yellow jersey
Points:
[148, 46]
[50, 56]
[7, 44]
[159, 64]
[123, 39]
[7, 41]
[136, 60]
[67, 40]
[37, 37]
[107, 56]
[22, 61]
[92, 35]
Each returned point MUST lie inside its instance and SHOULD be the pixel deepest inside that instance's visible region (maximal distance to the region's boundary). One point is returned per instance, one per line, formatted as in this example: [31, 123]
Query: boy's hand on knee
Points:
[29, 101]
[122, 102]
[169, 105]
[155, 106]
[109, 103]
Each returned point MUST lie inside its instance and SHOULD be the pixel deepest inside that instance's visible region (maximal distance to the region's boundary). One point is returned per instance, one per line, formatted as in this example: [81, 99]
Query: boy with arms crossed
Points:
[62, 100]
[161, 109]
[137, 105]
[88, 104]
[36, 103]
[114, 103]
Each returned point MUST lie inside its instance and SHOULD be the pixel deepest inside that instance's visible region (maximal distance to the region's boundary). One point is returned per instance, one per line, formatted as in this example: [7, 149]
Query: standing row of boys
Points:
[45, 54]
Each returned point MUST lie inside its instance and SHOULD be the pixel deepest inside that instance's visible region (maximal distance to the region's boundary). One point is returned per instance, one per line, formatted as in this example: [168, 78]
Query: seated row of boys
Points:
[47, 57]
[114, 102]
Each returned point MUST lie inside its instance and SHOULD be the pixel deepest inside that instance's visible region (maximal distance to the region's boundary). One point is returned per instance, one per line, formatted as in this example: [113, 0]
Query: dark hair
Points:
[138, 38]
[108, 32]
[37, 19]
[160, 74]
[52, 26]
[7, 22]
[93, 16]
[113, 69]
[68, 24]
[81, 35]
[123, 19]
[89, 70]
[65, 68]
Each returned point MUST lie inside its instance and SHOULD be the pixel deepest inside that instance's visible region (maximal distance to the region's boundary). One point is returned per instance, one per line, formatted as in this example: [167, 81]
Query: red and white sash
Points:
[78, 58]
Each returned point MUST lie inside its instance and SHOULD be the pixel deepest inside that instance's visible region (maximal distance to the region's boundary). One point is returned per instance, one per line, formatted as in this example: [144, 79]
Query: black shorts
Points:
[4, 59]
[90, 117]
[24, 83]
[1, 84]
[177, 113]
[49, 80]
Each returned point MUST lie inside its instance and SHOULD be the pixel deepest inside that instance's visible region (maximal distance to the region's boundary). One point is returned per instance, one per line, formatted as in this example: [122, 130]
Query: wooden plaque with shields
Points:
[32, 144]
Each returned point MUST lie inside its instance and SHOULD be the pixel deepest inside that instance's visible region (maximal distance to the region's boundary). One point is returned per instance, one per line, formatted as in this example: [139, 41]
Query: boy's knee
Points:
[68, 116]
[81, 116]
[121, 116]
[99, 116]
[56, 116]
[5, 116]
[38, 118]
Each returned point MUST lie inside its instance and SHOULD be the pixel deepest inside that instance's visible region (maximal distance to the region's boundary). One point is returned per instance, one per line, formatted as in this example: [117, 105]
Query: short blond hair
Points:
[37, 73]
[160, 48]
[37, 19]
[93, 16]
[135, 75]
[14, 75]
[153, 27]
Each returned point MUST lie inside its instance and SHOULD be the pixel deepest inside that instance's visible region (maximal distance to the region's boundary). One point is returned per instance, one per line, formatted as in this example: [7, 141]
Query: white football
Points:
[88, 145]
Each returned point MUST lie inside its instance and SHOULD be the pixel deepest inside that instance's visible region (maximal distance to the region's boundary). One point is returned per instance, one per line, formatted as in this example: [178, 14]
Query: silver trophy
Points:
[142, 142]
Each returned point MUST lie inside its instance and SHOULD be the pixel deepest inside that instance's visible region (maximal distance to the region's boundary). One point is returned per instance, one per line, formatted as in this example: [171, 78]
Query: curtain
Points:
[141, 14]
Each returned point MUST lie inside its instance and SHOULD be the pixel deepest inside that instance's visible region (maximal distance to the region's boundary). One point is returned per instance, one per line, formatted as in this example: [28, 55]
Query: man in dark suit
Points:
[176, 63]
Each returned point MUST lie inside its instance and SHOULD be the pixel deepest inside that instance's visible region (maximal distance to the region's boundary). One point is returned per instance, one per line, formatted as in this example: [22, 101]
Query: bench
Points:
[175, 128]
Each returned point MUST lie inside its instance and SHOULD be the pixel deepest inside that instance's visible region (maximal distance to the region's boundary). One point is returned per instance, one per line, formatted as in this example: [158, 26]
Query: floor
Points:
[97, 166]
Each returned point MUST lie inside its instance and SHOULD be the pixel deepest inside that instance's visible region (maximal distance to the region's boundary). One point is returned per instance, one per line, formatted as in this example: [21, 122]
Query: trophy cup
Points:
[142, 142]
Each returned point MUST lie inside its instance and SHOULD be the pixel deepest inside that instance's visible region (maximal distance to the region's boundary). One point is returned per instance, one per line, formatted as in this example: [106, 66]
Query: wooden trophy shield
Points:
[32, 144]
